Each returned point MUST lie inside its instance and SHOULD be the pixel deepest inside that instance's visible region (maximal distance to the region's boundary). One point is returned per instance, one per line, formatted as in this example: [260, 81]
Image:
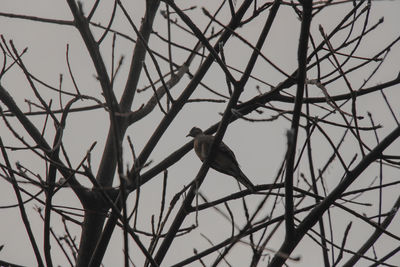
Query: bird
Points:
[224, 160]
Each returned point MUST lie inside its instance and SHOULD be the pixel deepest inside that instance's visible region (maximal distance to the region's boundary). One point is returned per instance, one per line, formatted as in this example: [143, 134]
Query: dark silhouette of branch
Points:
[238, 70]
[21, 206]
[293, 132]
[288, 246]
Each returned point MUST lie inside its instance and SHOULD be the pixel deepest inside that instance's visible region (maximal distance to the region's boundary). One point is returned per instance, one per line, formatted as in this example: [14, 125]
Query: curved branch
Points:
[79, 190]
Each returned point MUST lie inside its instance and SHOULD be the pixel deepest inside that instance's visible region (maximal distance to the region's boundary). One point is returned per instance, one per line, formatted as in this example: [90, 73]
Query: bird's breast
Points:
[198, 149]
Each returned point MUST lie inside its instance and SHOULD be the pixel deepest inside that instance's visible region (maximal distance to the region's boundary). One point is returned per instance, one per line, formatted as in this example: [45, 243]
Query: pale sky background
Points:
[259, 147]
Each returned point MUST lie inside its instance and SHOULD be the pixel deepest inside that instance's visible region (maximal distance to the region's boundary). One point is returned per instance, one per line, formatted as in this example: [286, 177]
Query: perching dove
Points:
[224, 160]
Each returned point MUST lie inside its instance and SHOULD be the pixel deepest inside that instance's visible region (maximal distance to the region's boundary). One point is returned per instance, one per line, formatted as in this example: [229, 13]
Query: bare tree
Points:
[111, 133]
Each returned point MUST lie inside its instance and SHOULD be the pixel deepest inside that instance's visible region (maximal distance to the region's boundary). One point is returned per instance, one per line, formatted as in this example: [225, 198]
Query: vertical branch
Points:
[82, 25]
[228, 83]
[125, 222]
[292, 134]
[93, 221]
[314, 184]
[51, 180]
[171, 68]
[139, 54]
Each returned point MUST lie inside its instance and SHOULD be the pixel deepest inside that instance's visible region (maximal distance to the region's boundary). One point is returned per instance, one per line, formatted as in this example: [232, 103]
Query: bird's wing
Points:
[225, 161]
[203, 146]
[227, 152]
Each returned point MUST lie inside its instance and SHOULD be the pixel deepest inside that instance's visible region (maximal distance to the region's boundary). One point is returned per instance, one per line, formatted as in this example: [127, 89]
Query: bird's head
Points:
[194, 132]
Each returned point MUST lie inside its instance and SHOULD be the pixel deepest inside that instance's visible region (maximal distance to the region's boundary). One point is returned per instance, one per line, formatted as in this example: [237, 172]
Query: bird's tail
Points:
[242, 178]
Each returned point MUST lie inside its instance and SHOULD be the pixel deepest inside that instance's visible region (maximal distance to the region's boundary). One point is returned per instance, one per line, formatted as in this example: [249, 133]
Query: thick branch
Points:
[292, 134]
[139, 54]
[83, 26]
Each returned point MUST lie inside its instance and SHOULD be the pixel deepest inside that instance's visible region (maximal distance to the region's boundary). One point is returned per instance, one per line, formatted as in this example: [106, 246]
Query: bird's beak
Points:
[188, 135]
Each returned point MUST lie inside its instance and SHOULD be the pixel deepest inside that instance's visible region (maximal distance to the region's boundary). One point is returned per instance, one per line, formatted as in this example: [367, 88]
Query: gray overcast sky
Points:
[260, 147]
